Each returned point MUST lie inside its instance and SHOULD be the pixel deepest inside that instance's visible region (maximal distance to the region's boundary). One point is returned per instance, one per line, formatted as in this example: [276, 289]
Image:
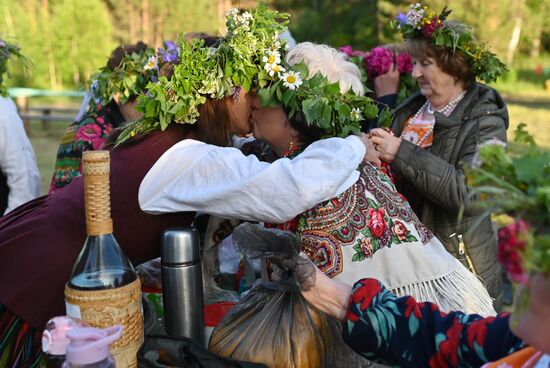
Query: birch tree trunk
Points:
[9, 22]
[132, 28]
[145, 16]
[48, 45]
[223, 7]
[516, 32]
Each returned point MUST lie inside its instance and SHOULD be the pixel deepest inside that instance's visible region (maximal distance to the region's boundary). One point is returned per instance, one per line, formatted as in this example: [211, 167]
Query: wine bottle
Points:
[104, 289]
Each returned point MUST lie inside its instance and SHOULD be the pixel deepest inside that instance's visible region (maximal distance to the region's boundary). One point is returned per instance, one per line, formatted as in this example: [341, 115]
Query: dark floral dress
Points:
[87, 134]
[400, 331]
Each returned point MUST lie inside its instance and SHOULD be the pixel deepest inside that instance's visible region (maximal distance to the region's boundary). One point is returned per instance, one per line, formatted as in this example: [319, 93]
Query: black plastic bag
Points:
[273, 324]
[149, 274]
[160, 351]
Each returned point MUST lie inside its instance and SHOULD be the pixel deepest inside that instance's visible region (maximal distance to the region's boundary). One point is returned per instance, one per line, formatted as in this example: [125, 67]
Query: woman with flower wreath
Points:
[436, 132]
[404, 332]
[369, 229]
[204, 102]
[110, 103]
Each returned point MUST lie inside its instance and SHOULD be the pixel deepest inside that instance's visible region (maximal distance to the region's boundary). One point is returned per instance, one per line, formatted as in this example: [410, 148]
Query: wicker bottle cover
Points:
[109, 306]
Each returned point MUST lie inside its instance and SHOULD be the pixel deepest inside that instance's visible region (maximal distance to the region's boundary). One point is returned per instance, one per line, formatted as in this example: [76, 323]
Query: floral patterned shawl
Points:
[370, 230]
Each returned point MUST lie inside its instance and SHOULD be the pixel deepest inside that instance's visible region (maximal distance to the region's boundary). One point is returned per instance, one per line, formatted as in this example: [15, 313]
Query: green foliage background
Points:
[67, 40]
[360, 23]
[365, 23]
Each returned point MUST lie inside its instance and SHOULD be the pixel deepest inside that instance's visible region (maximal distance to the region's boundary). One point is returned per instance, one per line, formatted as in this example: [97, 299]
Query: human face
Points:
[436, 85]
[533, 323]
[239, 113]
[271, 125]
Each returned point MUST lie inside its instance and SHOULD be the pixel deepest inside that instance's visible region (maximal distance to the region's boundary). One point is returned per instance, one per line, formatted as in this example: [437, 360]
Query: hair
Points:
[330, 62]
[308, 133]
[397, 48]
[118, 54]
[454, 63]
[209, 40]
[214, 120]
[213, 123]
[112, 113]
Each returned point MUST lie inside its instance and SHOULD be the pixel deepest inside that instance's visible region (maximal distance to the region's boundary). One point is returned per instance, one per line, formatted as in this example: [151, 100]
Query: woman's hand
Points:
[385, 143]
[327, 295]
[387, 83]
[371, 154]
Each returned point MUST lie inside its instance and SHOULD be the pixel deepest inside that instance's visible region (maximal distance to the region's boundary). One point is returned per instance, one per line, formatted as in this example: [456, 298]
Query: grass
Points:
[45, 143]
[533, 112]
[526, 77]
[45, 139]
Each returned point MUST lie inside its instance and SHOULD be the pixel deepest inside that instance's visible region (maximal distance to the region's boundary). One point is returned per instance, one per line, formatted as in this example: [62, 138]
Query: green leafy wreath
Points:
[321, 102]
[210, 72]
[128, 79]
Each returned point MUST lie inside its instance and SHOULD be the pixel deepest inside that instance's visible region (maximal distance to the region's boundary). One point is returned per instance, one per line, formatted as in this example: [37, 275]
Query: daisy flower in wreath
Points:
[273, 63]
[291, 80]
[152, 63]
[271, 69]
[276, 46]
[355, 114]
[272, 57]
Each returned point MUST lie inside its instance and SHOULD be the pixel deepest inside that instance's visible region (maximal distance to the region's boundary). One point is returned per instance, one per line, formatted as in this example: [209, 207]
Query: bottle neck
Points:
[97, 197]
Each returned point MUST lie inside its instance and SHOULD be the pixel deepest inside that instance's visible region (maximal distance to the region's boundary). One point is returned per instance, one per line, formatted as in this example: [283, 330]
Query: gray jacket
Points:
[437, 176]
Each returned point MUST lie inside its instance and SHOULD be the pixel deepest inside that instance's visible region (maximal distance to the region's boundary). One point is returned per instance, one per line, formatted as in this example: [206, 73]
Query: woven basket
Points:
[120, 306]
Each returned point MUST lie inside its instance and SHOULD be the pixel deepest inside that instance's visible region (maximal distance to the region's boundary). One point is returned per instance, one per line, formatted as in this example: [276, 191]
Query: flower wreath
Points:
[210, 72]
[420, 21]
[128, 79]
[514, 182]
[321, 102]
[7, 51]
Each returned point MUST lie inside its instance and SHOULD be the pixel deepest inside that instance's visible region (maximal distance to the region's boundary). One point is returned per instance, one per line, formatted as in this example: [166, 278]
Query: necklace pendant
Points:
[429, 109]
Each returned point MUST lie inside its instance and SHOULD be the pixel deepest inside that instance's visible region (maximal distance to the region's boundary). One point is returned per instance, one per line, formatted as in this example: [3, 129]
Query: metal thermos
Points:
[182, 283]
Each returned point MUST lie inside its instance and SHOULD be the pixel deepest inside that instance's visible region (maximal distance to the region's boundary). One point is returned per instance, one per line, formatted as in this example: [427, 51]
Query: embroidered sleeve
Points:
[400, 331]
